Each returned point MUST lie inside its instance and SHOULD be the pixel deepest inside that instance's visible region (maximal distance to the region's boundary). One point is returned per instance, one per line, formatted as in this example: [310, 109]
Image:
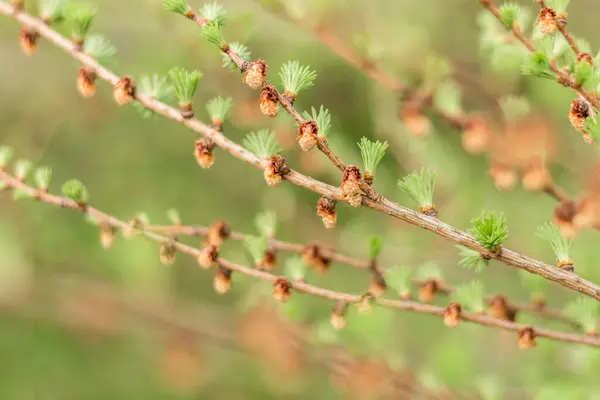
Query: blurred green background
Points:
[80, 322]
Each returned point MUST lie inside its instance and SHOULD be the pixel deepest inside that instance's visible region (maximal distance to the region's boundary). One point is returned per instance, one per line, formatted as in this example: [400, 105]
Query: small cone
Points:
[578, 114]
[546, 20]
[86, 82]
[307, 135]
[527, 338]
[203, 152]
[269, 105]
[326, 210]
[208, 256]
[282, 290]
[452, 315]
[276, 170]
[351, 186]
[428, 290]
[124, 91]
[218, 232]
[500, 309]
[254, 76]
[28, 41]
[222, 280]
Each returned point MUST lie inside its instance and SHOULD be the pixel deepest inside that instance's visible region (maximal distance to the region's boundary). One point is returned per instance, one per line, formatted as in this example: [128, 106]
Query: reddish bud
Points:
[124, 90]
[452, 315]
[546, 20]
[269, 105]
[269, 261]
[282, 290]
[326, 210]
[500, 309]
[208, 256]
[222, 280]
[86, 82]
[203, 151]
[526, 338]
[276, 170]
[351, 186]
[578, 114]
[428, 290]
[28, 40]
[314, 258]
[307, 135]
[563, 218]
[218, 232]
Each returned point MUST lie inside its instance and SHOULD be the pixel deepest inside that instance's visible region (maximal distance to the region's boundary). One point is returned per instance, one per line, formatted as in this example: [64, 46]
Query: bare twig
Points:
[509, 257]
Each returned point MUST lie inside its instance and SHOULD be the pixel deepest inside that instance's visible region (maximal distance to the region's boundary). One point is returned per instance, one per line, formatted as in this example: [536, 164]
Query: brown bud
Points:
[124, 90]
[167, 252]
[500, 309]
[536, 177]
[578, 114]
[186, 110]
[351, 186]
[526, 338]
[414, 120]
[566, 265]
[254, 75]
[276, 170]
[429, 210]
[563, 218]
[585, 57]
[452, 315]
[364, 304]
[314, 258]
[107, 234]
[307, 135]
[428, 290]
[476, 136]
[269, 105]
[338, 315]
[326, 210]
[289, 97]
[378, 285]
[269, 261]
[546, 20]
[86, 82]
[282, 290]
[222, 280]
[203, 151]
[28, 40]
[504, 176]
[208, 256]
[218, 232]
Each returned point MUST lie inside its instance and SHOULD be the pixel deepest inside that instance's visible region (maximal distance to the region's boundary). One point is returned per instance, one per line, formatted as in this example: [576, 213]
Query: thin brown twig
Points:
[562, 27]
[432, 224]
[280, 245]
[564, 76]
[300, 287]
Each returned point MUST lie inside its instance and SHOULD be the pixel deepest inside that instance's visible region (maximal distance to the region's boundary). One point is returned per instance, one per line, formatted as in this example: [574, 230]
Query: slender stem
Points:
[509, 257]
[563, 30]
[301, 287]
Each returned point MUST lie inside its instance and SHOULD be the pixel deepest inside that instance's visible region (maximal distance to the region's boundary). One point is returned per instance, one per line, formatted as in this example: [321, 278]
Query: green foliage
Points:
[80, 16]
[98, 47]
[6, 154]
[22, 194]
[584, 45]
[582, 71]
[489, 230]
[218, 108]
[214, 13]
[585, 311]
[509, 13]
[561, 246]
[238, 48]
[514, 108]
[399, 279]
[429, 271]
[176, 6]
[262, 143]
[257, 247]
[372, 153]
[75, 190]
[185, 84]
[295, 77]
[471, 259]
[537, 285]
[155, 86]
[471, 296]
[42, 177]
[558, 5]
[295, 268]
[437, 69]
[447, 98]
[537, 64]
[174, 216]
[52, 10]
[266, 223]
[212, 33]
[23, 168]
[375, 246]
[322, 118]
[420, 186]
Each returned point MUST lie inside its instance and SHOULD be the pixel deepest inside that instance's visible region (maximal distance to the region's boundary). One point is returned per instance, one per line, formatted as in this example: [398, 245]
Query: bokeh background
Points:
[80, 322]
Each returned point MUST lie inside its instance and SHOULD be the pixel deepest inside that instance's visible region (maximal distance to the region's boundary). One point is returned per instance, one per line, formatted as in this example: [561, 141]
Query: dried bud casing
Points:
[254, 75]
[203, 151]
[500, 309]
[276, 170]
[208, 256]
[351, 186]
[505, 177]
[218, 232]
[428, 290]
[282, 290]
[269, 261]
[338, 315]
[546, 20]
[416, 123]
[452, 315]
[307, 135]
[364, 305]
[222, 280]
[476, 136]
[585, 57]
[168, 250]
[314, 258]
[28, 40]
[186, 110]
[289, 97]
[269, 105]
[107, 234]
[563, 218]
[429, 210]
[566, 265]
[378, 285]
[526, 338]
[578, 114]
[86, 82]
[124, 90]
[326, 210]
